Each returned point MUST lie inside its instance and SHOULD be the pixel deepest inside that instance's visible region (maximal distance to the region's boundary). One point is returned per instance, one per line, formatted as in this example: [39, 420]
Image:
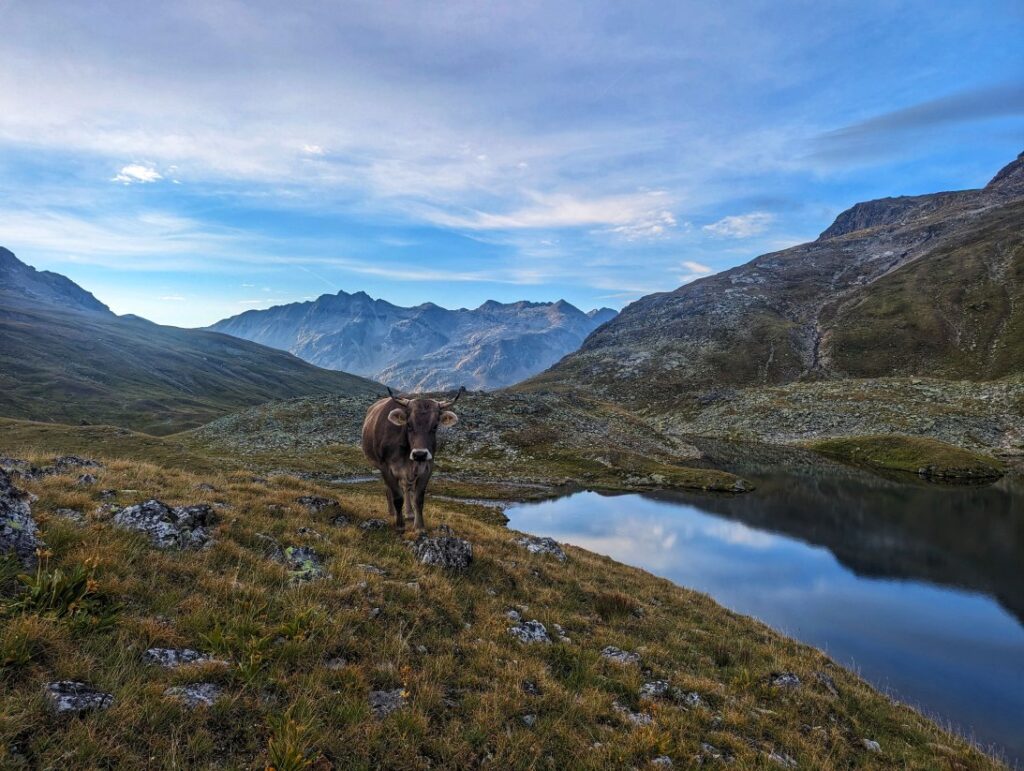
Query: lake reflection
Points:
[933, 635]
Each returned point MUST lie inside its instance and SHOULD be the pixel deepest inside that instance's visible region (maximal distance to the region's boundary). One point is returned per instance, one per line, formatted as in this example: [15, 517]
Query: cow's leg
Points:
[396, 501]
[418, 495]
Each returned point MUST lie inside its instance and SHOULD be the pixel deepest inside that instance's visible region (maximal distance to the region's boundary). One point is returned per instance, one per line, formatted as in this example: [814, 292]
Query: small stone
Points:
[536, 545]
[336, 663]
[172, 658]
[370, 569]
[316, 503]
[341, 521]
[383, 703]
[86, 479]
[782, 759]
[620, 656]
[785, 680]
[655, 689]
[421, 649]
[206, 487]
[692, 699]
[528, 720]
[531, 688]
[374, 524]
[636, 718]
[445, 552]
[374, 612]
[871, 745]
[513, 615]
[108, 495]
[663, 761]
[195, 695]
[827, 681]
[72, 696]
[530, 632]
[710, 750]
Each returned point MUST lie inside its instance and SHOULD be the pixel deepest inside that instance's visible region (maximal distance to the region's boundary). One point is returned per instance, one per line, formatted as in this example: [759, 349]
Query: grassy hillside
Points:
[71, 367]
[300, 662]
[959, 313]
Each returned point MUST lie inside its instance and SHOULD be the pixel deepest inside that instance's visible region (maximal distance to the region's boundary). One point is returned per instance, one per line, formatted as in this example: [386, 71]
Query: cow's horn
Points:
[399, 399]
[446, 405]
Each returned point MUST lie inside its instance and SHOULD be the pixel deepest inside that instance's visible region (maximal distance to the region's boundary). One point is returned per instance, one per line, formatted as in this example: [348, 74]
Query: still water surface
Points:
[918, 588]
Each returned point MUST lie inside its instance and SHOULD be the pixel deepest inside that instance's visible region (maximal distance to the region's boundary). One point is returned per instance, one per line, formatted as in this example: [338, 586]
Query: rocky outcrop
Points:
[181, 527]
[19, 534]
[424, 348]
[538, 545]
[195, 695]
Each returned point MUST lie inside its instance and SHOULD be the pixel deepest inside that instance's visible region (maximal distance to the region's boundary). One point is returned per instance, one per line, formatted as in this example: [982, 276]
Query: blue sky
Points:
[186, 161]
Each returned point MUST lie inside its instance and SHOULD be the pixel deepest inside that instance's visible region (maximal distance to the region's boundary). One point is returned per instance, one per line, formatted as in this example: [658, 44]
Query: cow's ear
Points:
[398, 417]
[449, 418]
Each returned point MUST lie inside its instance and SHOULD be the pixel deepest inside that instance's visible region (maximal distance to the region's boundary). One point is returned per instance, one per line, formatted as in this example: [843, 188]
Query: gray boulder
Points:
[181, 527]
[446, 552]
[303, 563]
[316, 503]
[71, 696]
[536, 545]
[19, 534]
[530, 632]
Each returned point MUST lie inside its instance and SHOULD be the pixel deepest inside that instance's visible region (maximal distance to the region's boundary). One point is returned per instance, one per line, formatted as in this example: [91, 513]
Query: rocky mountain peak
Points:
[1010, 177]
[22, 283]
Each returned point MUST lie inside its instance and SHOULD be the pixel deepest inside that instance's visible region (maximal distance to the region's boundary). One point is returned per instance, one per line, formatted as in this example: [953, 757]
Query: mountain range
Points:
[926, 285]
[65, 357]
[424, 348]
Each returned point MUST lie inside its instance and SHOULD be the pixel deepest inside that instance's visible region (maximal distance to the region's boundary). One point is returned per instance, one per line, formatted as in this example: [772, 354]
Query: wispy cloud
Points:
[740, 225]
[694, 270]
[898, 127]
[135, 172]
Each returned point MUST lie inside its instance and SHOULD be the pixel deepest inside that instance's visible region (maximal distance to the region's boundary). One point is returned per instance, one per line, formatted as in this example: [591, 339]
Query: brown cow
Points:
[399, 438]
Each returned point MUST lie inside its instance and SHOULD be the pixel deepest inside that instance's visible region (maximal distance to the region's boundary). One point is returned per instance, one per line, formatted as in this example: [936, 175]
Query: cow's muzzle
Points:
[420, 455]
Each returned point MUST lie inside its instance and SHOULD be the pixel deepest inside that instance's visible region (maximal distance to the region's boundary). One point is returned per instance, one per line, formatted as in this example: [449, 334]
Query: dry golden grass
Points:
[441, 638]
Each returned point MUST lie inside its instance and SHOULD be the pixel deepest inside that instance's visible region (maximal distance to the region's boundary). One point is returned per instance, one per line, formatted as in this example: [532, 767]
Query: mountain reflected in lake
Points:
[919, 588]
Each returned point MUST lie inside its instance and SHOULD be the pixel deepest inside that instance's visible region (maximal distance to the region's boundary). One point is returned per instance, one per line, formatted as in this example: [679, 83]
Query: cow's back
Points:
[381, 437]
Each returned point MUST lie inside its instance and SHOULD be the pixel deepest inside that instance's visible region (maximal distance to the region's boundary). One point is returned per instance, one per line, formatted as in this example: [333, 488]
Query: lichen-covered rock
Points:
[446, 552]
[620, 656]
[536, 545]
[655, 689]
[86, 479]
[316, 503]
[303, 563]
[19, 534]
[195, 695]
[67, 696]
[530, 632]
[181, 527]
[383, 703]
[374, 524]
[172, 658]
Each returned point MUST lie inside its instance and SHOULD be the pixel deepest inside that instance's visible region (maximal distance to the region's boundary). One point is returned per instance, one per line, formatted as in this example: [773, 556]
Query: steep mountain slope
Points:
[65, 357]
[924, 285]
[422, 348]
[20, 283]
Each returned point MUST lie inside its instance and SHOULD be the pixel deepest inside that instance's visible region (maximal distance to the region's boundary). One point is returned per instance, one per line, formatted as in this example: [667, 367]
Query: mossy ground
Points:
[441, 638]
[913, 454]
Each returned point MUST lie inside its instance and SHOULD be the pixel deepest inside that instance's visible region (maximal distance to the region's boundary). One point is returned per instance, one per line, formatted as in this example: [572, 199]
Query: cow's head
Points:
[420, 418]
